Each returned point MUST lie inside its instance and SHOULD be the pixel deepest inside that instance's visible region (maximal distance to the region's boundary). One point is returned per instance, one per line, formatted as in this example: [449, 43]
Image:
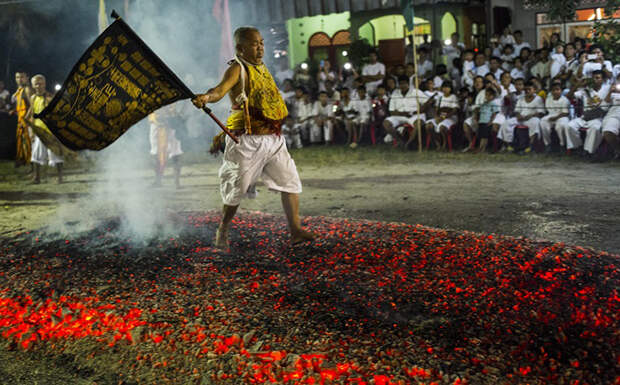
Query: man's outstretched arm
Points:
[231, 77]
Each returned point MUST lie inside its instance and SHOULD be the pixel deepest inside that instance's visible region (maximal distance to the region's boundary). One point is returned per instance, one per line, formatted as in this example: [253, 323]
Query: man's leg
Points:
[612, 141]
[221, 235]
[59, 168]
[37, 173]
[176, 164]
[290, 203]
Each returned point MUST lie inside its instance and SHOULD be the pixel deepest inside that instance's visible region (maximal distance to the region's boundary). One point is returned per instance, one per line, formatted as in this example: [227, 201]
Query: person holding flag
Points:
[257, 112]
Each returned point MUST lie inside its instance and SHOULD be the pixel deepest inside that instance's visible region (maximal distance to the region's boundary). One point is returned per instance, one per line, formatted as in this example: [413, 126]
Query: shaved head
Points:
[242, 34]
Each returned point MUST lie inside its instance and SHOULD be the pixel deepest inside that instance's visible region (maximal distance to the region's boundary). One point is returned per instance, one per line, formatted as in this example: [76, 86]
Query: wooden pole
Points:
[417, 86]
[188, 93]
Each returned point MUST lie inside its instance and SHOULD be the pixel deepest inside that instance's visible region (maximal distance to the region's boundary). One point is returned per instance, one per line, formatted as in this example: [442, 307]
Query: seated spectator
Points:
[518, 72]
[470, 125]
[557, 107]
[507, 57]
[542, 67]
[456, 74]
[356, 117]
[480, 68]
[291, 133]
[303, 113]
[323, 119]
[595, 61]
[406, 107]
[506, 38]
[288, 92]
[362, 121]
[528, 112]
[390, 85]
[380, 110]
[519, 44]
[425, 65]
[346, 112]
[446, 109]
[468, 61]
[357, 82]
[495, 67]
[538, 88]
[593, 99]
[441, 75]
[302, 77]
[324, 74]
[611, 122]
[332, 94]
[558, 62]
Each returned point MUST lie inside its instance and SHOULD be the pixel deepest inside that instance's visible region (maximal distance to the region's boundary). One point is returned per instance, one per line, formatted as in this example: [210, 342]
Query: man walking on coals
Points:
[257, 112]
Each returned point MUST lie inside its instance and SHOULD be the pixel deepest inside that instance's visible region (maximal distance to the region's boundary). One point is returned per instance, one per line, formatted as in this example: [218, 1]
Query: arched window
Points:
[319, 47]
[322, 47]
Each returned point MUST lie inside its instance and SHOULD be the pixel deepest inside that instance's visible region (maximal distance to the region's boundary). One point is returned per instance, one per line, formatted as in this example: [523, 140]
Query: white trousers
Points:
[173, 145]
[611, 123]
[593, 134]
[507, 129]
[546, 126]
[256, 156]
[318, 133]
[42, 155]
[293, 140]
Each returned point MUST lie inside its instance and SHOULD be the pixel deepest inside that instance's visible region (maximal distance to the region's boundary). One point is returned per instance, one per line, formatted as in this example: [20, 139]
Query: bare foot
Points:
[221, 239]
[301, 236]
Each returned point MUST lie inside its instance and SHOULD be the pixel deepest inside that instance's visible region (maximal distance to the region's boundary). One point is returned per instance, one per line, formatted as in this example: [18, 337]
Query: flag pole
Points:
[182, 85]
[417, 81]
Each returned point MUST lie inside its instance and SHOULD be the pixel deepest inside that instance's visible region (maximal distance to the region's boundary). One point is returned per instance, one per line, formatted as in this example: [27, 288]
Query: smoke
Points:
[187, 39]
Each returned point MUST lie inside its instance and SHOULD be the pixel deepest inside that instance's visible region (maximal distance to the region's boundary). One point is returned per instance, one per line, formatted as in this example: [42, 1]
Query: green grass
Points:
[322, 156]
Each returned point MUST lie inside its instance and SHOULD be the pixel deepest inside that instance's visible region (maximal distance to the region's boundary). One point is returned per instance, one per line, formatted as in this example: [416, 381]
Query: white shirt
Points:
[536, 106]
[425, 68]
[371, 70]
[303, 110]
[482, 70]
[517, 74]
[323, 110]
[506, 39]
[447, 101]
[557, 107]
[408, 102]
[592, 98]
[590, 67]
[519, 47]
[364, 107]
[451, 52]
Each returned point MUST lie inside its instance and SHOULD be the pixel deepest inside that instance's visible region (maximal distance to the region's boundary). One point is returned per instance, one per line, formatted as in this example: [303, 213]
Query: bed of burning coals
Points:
[368, 303]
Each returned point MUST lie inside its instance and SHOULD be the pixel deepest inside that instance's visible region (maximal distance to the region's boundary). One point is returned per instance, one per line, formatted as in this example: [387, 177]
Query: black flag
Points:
[116, 83]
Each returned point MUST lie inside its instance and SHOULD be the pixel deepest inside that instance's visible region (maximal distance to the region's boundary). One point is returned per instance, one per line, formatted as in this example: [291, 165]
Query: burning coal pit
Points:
[368, 303]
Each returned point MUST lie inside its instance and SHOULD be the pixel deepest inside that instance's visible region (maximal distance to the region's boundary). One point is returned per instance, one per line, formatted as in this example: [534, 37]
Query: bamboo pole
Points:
[417, 85]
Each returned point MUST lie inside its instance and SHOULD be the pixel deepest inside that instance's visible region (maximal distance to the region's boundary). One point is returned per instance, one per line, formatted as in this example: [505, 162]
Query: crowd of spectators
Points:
[562, 98]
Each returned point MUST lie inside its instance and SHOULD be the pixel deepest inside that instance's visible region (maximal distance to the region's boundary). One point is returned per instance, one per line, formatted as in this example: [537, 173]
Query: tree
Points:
[606, 32]
[557, 10]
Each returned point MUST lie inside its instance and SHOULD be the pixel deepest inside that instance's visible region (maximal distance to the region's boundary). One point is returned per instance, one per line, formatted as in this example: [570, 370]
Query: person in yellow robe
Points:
[21, 98]
[257, 112]
[41, 154]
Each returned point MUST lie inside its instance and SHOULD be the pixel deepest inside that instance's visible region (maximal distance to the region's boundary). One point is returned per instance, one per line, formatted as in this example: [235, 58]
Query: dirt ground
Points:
[540, 197]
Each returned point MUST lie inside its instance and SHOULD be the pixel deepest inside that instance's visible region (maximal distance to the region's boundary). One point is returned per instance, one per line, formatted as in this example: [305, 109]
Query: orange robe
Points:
[24, 142]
